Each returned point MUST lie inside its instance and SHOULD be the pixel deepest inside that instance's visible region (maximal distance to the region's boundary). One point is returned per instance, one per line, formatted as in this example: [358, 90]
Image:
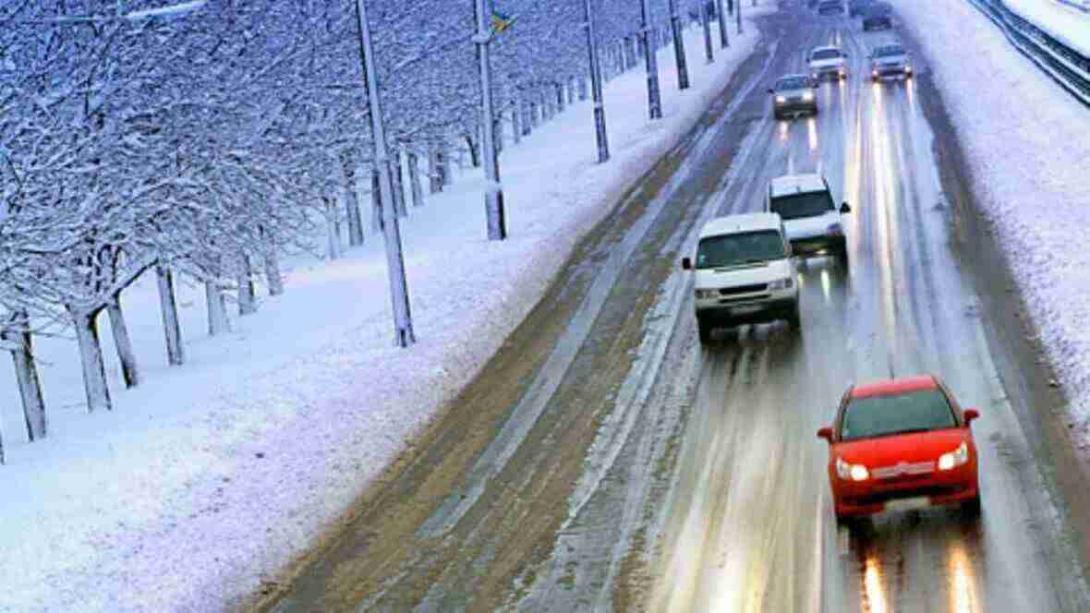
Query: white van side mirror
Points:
[686, 263]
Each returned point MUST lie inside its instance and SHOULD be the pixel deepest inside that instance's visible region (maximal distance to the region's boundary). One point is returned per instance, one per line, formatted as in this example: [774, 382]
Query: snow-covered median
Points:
[1028, 153]
[210, 477]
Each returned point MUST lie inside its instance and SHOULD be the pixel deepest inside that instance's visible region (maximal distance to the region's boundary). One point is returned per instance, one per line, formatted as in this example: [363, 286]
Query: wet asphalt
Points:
[605, 460]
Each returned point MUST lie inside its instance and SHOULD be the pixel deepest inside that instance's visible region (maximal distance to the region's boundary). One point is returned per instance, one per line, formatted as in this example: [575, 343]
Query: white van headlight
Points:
[706, 294]
[786, 283]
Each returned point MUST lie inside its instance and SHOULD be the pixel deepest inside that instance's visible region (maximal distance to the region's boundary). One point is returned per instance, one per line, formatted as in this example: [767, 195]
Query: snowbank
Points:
[1026, 146]
[209, 477]
[1067, 24]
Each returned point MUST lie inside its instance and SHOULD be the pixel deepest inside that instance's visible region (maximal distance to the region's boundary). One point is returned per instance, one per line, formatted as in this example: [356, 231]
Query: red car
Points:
[901, 444]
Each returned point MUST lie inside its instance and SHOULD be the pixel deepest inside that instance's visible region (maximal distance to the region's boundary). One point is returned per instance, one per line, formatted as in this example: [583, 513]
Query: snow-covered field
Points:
[1067, 23]
[1027, 148]
[208, 478]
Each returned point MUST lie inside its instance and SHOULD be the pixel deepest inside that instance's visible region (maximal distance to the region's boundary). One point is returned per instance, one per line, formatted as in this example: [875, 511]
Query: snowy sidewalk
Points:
[209, 478]
[1028, 154]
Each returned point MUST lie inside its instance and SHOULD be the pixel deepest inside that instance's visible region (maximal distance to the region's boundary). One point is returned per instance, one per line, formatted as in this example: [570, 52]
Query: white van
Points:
[744, 273]
[811, 218]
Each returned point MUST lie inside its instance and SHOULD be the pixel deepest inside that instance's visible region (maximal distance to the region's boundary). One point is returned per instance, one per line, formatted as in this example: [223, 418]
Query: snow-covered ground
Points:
[1027, 148]
[1066, 23]
[210, 477]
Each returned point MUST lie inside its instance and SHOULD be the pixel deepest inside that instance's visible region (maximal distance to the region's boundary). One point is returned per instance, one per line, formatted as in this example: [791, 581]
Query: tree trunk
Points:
[435, 174]
[559, 89]
[497, 131]
[333, 228]
[351, 202]
[26, 375]
[376, 202]
[129, 372]
[582, 87]
[217, 308]
[474, 152]
[398, 184]
[535, 116]
[90, 353]
[247, 297]
[516, 121]
[271, 263]
[168, 308]
[415, 188]
[706, 22]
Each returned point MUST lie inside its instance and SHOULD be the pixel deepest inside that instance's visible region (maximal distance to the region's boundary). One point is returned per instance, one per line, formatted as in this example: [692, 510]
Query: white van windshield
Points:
[797, 206]
[738, 249]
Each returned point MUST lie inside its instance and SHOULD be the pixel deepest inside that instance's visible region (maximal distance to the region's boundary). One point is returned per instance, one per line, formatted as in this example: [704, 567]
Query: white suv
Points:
[812, 221]
[744, 273]
[828, 61]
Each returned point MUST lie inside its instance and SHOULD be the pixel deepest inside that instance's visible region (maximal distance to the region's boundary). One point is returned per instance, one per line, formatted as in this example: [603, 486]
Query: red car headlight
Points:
[851, 472]
[955, 458]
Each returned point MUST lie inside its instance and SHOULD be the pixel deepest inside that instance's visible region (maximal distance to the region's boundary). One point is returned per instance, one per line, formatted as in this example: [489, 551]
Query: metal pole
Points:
[706, 21]
[399, 289]
[596, 85]
[722, 15]
[679, 47]
[650, 56]
[493, 195]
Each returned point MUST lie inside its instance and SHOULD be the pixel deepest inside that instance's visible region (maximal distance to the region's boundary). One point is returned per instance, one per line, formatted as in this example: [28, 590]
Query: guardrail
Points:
[1068, 67]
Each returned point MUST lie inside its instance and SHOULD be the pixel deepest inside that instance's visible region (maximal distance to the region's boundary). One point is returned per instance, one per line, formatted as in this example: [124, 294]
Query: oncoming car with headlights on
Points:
[793, 95]
[744, 273]
[890, 60]
[901, 444]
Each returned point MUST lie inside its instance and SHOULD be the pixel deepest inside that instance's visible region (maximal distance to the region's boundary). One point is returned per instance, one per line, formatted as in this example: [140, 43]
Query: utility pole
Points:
[493, 195]
[724, 42]
[654, 95]
[395, 265]
[679, 47]
[596, 84]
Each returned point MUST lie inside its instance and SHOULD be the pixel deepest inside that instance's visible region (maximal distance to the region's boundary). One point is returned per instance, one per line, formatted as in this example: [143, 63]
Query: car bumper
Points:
[793, 107]
[728, 311]
[885, 72]
[877, 24]
[830, 72]
[818, 245]
[876, 496]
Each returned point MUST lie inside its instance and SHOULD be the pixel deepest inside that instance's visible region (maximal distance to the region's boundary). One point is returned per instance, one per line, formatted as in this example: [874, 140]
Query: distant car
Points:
[890, 61]
[901, 444]
[877, 17]
[793, 95]
[812, 221]
[858, 7]
[830, 7]
[744, 273]
[827, 61]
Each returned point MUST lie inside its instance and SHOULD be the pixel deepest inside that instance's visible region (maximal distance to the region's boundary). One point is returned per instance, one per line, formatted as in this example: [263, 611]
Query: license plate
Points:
[908, 504]
[745, 310]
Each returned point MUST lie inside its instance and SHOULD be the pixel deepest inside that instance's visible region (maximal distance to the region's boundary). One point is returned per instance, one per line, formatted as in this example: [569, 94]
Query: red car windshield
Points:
[917, 411]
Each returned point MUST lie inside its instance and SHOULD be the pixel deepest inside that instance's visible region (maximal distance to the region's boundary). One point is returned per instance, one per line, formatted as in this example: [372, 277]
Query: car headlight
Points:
[780, 99]
[808, 96]
[957, 457]
[908, 69]
[705, 294]
[785, 283]
[853, 472]
[834, 230]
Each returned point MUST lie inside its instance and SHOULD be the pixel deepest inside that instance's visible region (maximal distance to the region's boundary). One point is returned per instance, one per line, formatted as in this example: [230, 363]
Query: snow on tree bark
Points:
[376, 201]
[415, 188]
[351, 201]
[247, 297]
[95, 388]
[333, 227]
[168, 310]
[130, 374]
[18, 335]
[216, 305]
[435, 170]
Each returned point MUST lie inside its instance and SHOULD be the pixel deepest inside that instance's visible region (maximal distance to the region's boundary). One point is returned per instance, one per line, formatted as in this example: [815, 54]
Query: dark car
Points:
[793, 95]
[877, 17]
[859, 7]
[830, 7]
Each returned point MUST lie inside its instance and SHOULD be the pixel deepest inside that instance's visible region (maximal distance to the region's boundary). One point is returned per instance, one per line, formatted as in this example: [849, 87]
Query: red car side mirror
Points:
[826, 433]
[686, 263]
[969, 415]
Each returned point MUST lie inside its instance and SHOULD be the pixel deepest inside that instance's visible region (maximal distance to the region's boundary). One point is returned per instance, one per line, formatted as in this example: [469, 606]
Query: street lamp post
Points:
[596, 84]
[493, 196]
[399, 290]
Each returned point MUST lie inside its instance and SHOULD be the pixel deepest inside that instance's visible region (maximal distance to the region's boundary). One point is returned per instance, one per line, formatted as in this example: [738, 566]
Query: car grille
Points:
[743, 289]
[904, 471]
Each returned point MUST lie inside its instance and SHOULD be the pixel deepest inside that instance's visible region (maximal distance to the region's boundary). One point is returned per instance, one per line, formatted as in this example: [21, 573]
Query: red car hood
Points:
[910, 448]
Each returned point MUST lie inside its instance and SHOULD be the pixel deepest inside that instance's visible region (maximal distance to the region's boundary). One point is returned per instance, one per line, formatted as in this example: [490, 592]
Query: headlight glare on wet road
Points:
[954, 458]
